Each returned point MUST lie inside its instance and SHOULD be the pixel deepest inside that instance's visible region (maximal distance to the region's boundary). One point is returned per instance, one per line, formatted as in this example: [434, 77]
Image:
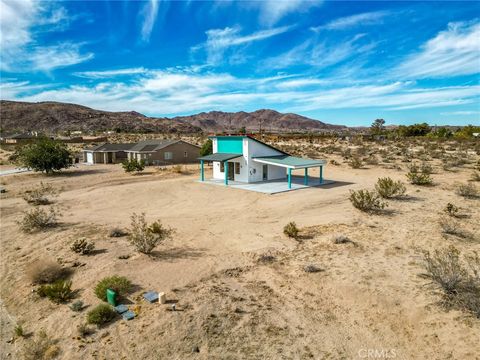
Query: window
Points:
[222, 167]
[185, 154]
[168, 155]
[237, 168]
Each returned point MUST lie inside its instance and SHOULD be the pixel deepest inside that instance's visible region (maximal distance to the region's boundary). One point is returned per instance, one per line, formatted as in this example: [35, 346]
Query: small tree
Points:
[133, 165]
[207, 148]
[377, 126]
[146, 237]
[45, 155]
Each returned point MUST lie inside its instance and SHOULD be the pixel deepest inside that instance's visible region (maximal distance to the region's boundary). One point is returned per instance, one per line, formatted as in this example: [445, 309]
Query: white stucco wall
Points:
[255, 172]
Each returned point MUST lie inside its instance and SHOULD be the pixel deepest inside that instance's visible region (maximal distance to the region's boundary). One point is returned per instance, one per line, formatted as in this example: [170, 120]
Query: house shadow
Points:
[332, 185]
[177, 253]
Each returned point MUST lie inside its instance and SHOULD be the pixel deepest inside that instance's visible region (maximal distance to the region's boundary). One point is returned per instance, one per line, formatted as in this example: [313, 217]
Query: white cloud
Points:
[172, 92]
[272, 11]
[454, 113]
[220, 40]
[370, 18]
[149, 13]
[110, 73]
[453, 52]
[20, 22]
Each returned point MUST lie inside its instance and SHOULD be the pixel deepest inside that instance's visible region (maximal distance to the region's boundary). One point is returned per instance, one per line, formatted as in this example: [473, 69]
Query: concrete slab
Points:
[272, 186]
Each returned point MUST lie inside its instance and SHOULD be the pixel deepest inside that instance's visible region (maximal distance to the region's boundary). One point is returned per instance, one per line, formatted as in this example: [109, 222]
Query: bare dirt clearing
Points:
[233, 301]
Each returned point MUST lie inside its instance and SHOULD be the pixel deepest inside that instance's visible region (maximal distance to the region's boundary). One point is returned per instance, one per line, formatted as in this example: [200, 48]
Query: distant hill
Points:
[55, 116]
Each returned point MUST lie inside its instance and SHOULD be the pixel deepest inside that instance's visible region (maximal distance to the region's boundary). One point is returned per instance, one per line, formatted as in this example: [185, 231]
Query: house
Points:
[248, 160]
[152, 152]
[106, 153]
[164, 152]
[23, 138]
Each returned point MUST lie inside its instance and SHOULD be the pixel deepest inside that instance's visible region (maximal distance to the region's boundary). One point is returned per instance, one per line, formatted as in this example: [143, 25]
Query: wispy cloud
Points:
[20, 24]
[220, 40]
[149, 14]
[272, 11]
[370, 18]
[110, 73]
[461, 113]
[454, 51]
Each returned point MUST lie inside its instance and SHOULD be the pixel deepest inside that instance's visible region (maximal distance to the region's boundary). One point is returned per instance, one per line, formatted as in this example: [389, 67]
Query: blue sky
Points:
[340, 62]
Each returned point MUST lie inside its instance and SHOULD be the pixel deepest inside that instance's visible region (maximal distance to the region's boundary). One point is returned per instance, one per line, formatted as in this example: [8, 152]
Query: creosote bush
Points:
[133, 165]
[38, 219]
[45, 271]
[40, 195]
[101, 314]
[146, 237]
[120, 284]
[367, 201]
[82, 246]
[291, 230]
[41, 347]
[419, 176]
[355, 162]
[388, 188]
[467, 191]
[60, 291]
[459, 280]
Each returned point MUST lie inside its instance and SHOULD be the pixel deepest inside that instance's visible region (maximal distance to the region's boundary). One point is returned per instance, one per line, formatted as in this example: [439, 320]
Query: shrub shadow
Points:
[176, 253]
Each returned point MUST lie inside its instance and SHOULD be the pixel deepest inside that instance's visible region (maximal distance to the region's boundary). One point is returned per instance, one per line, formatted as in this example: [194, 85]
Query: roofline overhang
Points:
[263, 161]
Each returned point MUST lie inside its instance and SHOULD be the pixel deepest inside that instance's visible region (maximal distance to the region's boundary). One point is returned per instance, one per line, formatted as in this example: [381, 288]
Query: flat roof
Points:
[289, 161]
[219, 157]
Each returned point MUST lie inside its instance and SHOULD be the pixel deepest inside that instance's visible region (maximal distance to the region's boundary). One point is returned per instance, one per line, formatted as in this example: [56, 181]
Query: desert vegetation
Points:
[146, 237]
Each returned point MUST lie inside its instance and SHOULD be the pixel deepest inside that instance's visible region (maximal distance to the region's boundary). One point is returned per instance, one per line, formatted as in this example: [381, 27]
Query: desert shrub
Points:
[312, 268]
[120, 284]
[475, 176]
[116, 232]
[45, 271]
[38, 219]
[84, 330]
[450, 227]
[451, 210]
[133, 165]
[341, 239]
[266, 259]
[45, 155]
[42, 347]
[177, 169]
[417, 178]
[459, 280]
[101, 314]
[18, 331]
[426, 168]
[371, 160]
[146, 237]
[388, 188]
[467, 190]
[77, 306]
[60, 291]
[355, 162]
[291, 230]
[40, 195]
[367, 201]
[82, 246]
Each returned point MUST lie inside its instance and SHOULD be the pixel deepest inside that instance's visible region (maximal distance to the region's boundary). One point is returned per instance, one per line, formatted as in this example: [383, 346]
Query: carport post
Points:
[225, 168]
[321, 174]
[289, 178]
[202, 177]
[305, 180]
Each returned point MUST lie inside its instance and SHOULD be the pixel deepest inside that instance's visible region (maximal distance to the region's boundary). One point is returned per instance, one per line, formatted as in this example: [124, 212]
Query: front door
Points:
[231, 170]
[265, 172]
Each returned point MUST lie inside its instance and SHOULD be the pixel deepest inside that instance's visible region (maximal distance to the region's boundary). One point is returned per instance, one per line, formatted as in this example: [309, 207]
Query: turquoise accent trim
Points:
[305, 180]
[289, 178]
[225, 168]
[202, 176]
[321, 174]
[232, 145]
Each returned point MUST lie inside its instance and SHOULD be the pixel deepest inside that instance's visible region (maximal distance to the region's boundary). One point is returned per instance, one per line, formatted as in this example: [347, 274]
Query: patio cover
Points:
[219, 157]
[290, 162]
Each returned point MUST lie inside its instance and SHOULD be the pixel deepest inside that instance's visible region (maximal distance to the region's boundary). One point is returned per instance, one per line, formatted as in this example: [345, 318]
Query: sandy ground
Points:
[369, 300]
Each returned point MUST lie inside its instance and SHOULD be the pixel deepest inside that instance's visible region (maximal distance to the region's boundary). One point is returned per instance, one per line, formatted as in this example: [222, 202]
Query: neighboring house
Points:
[152, 152]
[22, 138]
[106, 153]
[164, 152]
[246, 159]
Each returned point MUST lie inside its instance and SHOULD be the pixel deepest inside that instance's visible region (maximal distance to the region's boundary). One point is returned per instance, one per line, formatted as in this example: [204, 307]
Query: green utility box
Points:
[112, 297]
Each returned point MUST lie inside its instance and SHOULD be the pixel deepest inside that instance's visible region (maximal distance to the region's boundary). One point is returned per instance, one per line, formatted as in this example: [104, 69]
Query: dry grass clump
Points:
[459, 280]
[117, 232]
[38, 219]
[82, 246]
[291, 230]
[388, 188]
[475, 176]
[42, 347]
[40, 195]
[312, 268]
[367, 201]
[146, 237]
[341, 239]
[451, 210]
[467, 190]
[451, 227]
[45, 271]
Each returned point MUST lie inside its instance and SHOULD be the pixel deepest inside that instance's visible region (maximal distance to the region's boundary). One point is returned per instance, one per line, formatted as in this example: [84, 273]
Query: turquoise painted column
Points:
[305, 180]
[225, 168]
[321, 174]
[289, 178]
[202, 176]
